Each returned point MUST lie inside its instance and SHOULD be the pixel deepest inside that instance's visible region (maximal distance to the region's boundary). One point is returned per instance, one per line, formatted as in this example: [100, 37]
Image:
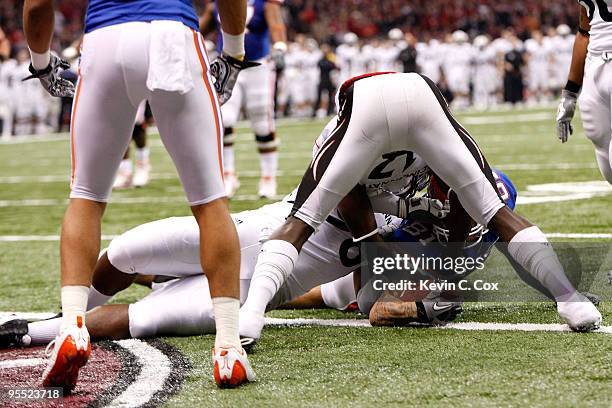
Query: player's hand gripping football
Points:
[50, 77]
[565, 113]
[225, 70]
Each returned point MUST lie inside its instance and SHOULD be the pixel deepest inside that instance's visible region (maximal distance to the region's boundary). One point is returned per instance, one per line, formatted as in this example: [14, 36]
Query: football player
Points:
[136, 50]
[265, 42]
[126, 176]
[591, 70]
[167, 251]
[388, 127]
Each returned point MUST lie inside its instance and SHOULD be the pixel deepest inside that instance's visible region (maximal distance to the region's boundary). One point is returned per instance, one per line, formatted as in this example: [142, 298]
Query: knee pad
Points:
[121, 252]
[268, 141]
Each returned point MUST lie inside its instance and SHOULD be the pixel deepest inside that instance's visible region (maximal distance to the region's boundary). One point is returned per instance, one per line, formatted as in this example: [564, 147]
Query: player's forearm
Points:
[38, 23]
[274, 18]
[233, 16]
[578, 58]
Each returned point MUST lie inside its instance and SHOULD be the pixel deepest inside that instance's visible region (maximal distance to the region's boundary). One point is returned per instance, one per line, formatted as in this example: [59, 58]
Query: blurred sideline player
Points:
[388, 124]
[591, 69]
[126, 176]
[254, 92]
[136, 50]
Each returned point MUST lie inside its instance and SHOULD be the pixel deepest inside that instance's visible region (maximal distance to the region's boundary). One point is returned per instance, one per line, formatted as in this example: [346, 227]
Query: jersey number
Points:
[379, 171]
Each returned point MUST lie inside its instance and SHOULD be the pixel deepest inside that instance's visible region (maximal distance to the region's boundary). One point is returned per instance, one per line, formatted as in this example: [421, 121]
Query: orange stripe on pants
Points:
[72, 135]
[213, 101]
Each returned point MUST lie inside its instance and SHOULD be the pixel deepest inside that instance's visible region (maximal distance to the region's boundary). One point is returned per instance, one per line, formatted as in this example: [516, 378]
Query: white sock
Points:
[40, 61]
[531, 249]
[142, 154]
[226, 322]
[269, 164]
[228, 159]
[74, 304]
[275, 262]
[42, 332]
[96, 298]
[125, 166]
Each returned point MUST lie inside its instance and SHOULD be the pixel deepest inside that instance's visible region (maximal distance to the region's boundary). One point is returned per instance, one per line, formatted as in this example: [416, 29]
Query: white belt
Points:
[605, 55]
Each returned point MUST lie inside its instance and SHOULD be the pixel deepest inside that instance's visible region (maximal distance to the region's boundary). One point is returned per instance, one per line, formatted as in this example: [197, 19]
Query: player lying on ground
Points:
[591, 66]
[389, 127]
[171, 245]
[168, 249]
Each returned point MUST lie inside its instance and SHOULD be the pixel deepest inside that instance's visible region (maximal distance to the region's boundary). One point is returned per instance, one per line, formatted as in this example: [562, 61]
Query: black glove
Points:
[225, 70]
[50, 77]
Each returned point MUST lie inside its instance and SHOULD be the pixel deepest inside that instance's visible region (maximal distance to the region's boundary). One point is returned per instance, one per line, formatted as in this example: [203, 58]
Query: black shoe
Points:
[12, 333]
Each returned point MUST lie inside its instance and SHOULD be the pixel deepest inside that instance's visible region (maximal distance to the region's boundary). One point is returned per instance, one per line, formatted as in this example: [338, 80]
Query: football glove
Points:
[565, 113]
[278, 55]
[437, 309]
[423, 207]
[225, 70]
[50, 77]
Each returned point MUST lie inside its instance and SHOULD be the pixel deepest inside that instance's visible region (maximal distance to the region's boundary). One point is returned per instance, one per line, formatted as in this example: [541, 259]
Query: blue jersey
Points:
[103, 13]
[414, 231]
[257, 35]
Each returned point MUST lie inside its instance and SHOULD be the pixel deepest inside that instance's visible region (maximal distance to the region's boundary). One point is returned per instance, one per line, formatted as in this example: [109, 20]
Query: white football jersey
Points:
[395, 172]
[539, 52]
[600, 17]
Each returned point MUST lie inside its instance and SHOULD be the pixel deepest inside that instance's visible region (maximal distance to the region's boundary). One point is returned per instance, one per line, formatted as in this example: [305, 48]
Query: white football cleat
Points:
[142, 174]
[267, 187]
[123, 179]
[580, 314]
[231, 367]
[71, 350]
[232, 184]
[250, 323]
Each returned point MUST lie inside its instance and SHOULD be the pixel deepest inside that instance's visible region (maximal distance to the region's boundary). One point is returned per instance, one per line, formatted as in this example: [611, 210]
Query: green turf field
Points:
[348, 366]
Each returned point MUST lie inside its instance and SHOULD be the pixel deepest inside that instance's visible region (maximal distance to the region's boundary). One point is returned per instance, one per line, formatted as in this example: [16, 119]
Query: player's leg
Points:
[455, 157]
[259, 99]
[231, 112]
[340, 164]
[139, 135]
[125, 173]
[596, 118]
[102, 117]
[191, 129]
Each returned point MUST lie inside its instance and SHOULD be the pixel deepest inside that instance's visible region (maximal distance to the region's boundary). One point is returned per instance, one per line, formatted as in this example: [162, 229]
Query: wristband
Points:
[584, 32]
[40, 61]
[233, 45]
[572, 86]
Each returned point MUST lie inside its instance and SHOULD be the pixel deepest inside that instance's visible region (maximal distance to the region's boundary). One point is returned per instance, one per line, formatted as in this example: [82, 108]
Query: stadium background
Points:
[342, 366]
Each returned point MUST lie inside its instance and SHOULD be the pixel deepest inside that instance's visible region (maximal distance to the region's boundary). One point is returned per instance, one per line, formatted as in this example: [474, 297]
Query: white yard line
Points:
[41, 238]
[65, 178]
[156, 367]
[48, 202]
[22, 362]
[500, 119]
[51, 238]
[475, 326]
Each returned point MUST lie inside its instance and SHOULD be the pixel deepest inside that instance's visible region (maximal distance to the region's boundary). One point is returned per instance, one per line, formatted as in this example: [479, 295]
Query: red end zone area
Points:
[22, 368]
[118, 373]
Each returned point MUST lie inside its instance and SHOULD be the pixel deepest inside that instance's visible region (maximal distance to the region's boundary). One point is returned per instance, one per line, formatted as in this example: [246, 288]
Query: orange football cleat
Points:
[232, 367]
[71, 350]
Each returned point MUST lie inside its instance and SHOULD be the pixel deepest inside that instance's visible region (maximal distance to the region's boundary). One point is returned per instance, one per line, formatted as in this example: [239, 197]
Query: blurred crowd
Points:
[481, 53]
